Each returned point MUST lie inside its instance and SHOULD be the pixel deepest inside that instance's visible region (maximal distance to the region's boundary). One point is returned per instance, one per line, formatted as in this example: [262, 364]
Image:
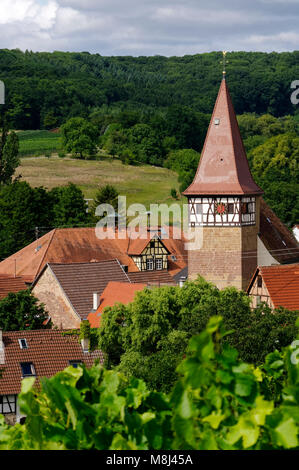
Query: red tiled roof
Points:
[223, 167]
[278, 240]
[157, 278]
[81, 245]
[115, 292]
[11, 284]
[80, 280]
[49, 351]
[282, 282]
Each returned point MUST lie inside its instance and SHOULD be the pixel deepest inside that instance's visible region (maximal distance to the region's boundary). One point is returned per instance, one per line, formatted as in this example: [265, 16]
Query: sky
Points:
[149, 27]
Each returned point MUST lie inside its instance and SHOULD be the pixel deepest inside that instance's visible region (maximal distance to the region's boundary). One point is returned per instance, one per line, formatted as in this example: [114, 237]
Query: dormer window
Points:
[27, 369]
[23, 343]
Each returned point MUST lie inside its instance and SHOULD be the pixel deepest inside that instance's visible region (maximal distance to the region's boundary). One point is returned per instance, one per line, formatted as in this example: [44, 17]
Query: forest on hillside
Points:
[156, 110]
[44, 89]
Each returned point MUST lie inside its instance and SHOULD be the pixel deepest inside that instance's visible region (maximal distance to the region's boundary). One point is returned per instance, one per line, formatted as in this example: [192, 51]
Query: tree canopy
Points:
[148, 338]
[22, 311]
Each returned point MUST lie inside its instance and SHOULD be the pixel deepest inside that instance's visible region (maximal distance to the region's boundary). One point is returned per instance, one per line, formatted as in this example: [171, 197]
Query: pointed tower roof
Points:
[223, 167]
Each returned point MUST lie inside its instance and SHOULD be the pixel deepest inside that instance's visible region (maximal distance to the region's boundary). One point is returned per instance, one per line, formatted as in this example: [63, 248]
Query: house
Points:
[12, 284]
[158, 252]
[67, 290]
[238, 230]
[36, 353]
[114, 292]
[70, 291]
[277, 285]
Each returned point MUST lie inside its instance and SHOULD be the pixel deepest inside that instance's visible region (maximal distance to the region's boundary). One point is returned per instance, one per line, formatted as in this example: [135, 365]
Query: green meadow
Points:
[144, 184]
[36, 143]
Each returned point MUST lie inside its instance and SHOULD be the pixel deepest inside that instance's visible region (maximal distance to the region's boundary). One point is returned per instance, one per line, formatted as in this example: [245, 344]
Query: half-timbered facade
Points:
[276, 285]
[222, 211]
[153, 257]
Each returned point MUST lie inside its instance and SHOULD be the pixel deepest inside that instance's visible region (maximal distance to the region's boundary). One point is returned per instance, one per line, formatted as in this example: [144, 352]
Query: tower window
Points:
[217, 122]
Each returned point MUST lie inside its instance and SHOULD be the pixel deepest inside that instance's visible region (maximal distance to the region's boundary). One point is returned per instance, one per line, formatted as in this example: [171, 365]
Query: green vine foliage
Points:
[219, 402]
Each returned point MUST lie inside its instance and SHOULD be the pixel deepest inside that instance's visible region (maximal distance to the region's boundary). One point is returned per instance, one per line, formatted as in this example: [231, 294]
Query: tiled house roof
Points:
[81, 245]
[11, 284]
[48, 350]
[115, 292]
[80, 281]
[282, 283]
[278, 240]
[152, 277]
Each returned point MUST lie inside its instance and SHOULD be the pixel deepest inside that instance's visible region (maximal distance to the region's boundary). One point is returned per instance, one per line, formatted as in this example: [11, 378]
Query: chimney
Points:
[95, 301]
[2, 352]
[182, 281]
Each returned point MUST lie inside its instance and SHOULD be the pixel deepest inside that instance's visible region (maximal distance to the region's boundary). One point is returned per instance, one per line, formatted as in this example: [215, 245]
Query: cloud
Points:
[149, 27]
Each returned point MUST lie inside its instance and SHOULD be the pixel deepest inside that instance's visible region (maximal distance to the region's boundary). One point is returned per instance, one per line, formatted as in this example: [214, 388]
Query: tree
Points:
[185, 163]
[188, 127]
[268, 330]
[145, 144]
[79, 137]
[22, 208]
[107, 194]
[148, 338]
[69, 207]
[22, 311]
[9, 150]
[275, 167]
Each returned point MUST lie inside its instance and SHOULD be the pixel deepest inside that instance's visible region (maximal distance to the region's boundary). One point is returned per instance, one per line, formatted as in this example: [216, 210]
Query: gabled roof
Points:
[153, 278]
[80, 281]
[81, 245]
[49, 350]
[223, 167]
[11, 284]
[136, 247]
[114, 292]
[282, 282]
[278, 240]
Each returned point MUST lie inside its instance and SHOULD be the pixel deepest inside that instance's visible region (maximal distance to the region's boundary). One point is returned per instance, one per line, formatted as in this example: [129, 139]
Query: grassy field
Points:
[141, 184]
[38, 142]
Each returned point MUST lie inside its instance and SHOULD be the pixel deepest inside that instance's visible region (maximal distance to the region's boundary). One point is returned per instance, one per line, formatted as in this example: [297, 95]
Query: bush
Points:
[217, 404]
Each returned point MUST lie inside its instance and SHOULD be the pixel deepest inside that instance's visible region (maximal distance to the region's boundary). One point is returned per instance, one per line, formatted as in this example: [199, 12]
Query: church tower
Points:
[224, 203]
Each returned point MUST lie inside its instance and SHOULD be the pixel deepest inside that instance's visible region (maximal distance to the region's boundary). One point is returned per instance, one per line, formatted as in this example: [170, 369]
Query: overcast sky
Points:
[150, 27]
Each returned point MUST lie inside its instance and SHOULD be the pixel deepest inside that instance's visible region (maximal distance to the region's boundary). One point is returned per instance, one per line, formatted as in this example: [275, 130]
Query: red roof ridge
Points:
[46, 251]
